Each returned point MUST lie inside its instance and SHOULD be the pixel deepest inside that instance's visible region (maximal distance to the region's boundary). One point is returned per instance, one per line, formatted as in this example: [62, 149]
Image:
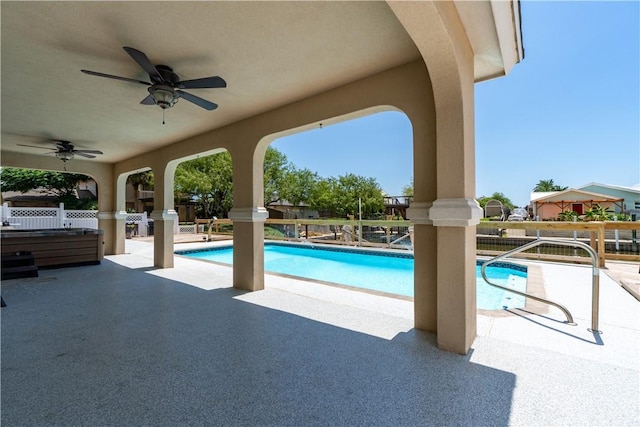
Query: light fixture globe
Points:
[64, 155]
[164, 96]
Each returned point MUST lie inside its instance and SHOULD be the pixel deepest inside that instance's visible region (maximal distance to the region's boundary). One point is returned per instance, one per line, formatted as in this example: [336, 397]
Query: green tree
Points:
[546, 185]
[321, 195]
[496, 196]
[209, 181]
[341, 195]
[408, 190]
[142, 178]
[58, 184]
[275, 167]
[297, 186]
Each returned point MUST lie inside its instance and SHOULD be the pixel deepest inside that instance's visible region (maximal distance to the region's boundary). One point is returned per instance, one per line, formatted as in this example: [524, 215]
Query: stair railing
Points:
[595, 283]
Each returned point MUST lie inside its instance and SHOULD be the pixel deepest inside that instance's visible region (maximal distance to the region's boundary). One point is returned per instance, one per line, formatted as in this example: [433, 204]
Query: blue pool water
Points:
[370, 270]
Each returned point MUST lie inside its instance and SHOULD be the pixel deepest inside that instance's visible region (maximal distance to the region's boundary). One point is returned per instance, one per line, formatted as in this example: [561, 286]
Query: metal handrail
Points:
[595, 284]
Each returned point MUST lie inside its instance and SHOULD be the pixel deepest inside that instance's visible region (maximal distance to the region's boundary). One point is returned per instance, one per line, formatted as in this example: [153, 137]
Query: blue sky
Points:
[570, 111]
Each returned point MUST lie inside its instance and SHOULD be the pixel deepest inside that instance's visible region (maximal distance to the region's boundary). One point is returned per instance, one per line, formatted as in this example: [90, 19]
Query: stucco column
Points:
[425, 280]
[248, 214]
[163, 229]
[111, 214]
[454, 212]
[248, 247]
[457, 309]
[112, 223]
[425, 283]
[164, 216]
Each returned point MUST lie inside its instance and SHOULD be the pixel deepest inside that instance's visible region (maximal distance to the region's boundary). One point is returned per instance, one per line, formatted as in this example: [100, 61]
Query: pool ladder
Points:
[595, 281]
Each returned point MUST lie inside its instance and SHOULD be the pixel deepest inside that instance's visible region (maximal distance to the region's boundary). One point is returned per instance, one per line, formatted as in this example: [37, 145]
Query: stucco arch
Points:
[164, 214]
[102, 173]
[267, 140]
[249, 212]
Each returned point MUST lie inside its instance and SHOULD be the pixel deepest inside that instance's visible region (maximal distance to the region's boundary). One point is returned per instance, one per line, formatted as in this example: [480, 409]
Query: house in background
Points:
[631, 195]
[43, 198]
[30, 199]
[618, 199]
[138, 198]
[285, 210]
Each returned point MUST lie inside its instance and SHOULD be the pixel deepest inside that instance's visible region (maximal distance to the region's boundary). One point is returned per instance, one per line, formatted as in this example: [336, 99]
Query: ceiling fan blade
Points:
[62, 144]
[109, 76]
[87, 152]
[148, 101]
[88, 156]
[144, 62]
[207, 105]
[203, 83]
[34, 146]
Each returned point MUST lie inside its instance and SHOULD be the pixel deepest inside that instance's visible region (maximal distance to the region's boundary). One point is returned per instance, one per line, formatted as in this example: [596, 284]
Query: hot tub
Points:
[56, 247]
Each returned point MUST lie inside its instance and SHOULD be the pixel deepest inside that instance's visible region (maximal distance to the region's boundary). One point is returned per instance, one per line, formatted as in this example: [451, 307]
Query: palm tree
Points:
[598, 213]
[546, 185]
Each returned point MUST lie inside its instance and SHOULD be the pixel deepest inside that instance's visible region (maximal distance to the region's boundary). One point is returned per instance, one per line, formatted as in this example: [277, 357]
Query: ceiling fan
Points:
[165, 86]
[65, 151]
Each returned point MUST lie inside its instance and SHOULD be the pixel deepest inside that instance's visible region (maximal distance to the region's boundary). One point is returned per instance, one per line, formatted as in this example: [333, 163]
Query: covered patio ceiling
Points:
[269, 53]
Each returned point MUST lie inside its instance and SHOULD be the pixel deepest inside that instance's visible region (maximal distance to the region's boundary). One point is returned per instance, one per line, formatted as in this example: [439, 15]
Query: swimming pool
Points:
[387, 272]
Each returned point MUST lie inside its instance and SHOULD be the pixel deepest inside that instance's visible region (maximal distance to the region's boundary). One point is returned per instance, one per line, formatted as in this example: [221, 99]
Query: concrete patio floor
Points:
[123, 343]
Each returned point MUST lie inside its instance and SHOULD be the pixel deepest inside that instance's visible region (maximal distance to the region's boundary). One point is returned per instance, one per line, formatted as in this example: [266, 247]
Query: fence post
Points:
[61, 216]
[634, 235]
[144, 231]
[6, 213]
[537, 219]
[601, 250]
[388, 233]
[575, 236]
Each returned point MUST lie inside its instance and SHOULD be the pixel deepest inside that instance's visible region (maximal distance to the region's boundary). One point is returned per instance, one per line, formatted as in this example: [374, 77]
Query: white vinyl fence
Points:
[22, 218]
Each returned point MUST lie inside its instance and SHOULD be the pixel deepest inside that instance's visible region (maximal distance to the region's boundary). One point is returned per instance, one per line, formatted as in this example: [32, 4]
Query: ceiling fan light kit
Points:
[164, 96]
[64, 156]
[165, 85]
[165, 89]
[65, 150]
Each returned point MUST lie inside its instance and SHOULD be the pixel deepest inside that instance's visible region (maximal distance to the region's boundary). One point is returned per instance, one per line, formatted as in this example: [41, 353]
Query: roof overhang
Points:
[495, 34]
[573, 195]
